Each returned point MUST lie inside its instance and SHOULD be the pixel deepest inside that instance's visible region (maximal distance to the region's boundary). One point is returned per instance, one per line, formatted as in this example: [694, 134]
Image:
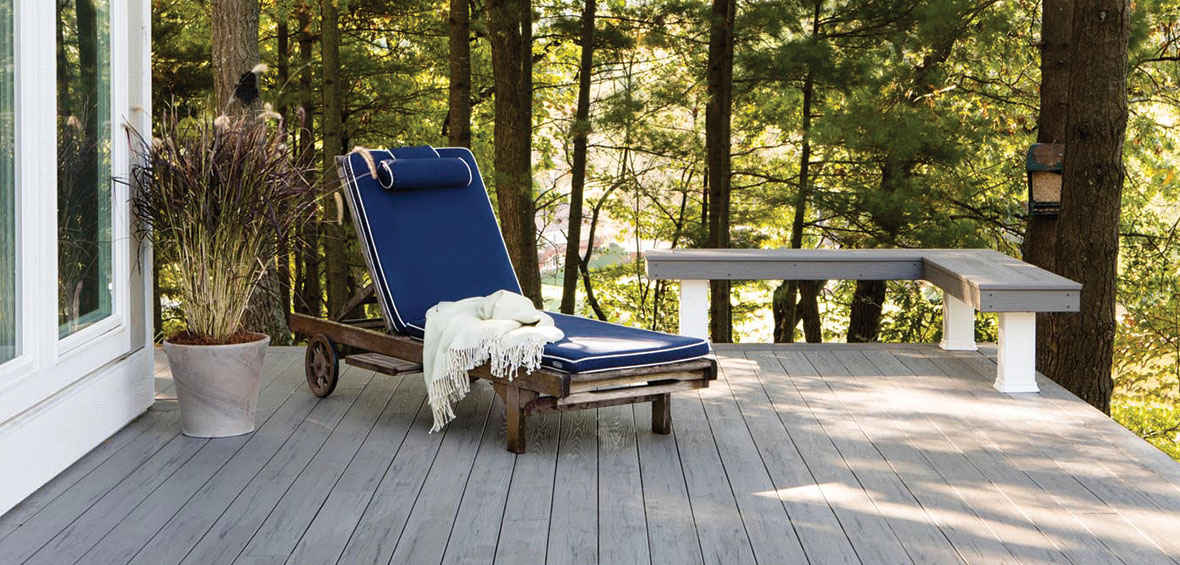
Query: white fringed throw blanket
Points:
[503, 329]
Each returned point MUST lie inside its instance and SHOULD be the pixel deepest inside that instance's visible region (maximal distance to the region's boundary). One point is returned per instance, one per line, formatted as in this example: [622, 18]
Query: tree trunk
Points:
[335, 238]
[309, 299]
[1040, 236]
[510, 30]
[283, 54]
[809, 310]
[717, 150]
[459, 113]
[1088, 237]
[785, 323]
[235, 54]
[864, 321]
[581, 131]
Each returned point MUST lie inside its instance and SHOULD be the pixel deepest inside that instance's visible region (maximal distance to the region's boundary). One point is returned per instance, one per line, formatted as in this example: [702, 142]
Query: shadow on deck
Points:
[803, 453]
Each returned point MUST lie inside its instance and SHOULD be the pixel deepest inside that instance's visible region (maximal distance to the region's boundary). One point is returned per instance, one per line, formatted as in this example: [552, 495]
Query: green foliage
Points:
[922, 111]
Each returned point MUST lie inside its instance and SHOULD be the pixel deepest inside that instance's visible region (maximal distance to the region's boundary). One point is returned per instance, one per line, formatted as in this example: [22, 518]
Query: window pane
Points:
[83, 163]
[7, 187]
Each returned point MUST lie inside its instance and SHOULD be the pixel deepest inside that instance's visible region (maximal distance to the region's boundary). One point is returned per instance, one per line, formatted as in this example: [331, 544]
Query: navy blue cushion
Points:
[427, 246]
[592, 345]
[411, 174]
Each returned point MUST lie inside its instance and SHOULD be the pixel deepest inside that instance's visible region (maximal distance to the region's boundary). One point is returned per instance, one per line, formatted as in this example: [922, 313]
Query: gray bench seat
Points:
[972, 280]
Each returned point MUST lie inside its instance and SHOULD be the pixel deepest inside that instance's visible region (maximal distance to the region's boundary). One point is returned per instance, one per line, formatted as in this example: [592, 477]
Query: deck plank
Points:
[424, 538]
[969, 534]
[1136, 534]
[376, 534]
[186, 528]
[131, 533]
[853, 478]
[325, 538]
[818, 453]
[281, 531]
[771, 534]
[622, 531]
[995, 512]
[573, 520]
[76, 500]
[671, 533]
[232, 531]
[525, 526]
[476, 528]
[720, 529]
[818, 528]
[965, 429]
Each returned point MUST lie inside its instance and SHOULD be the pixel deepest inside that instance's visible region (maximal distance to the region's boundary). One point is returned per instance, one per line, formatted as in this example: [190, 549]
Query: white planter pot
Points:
[217, 386]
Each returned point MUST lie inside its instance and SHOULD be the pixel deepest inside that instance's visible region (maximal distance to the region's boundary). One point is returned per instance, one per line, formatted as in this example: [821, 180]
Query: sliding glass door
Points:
[84, 181]
[7, 185]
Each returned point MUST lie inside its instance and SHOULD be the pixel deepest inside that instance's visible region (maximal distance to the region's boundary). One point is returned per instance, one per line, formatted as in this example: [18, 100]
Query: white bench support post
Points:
[958, 324]
[694, 308]
[1016, 366]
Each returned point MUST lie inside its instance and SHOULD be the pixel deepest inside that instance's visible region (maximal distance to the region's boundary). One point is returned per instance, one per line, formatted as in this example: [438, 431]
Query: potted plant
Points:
[215, 197]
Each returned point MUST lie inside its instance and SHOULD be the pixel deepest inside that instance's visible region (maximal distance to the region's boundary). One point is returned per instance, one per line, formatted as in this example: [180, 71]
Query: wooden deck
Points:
[819, 454]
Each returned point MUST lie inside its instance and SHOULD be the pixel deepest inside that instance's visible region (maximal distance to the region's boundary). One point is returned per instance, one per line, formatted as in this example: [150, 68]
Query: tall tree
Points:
[890, 208]
[235, 55]
[459, 108]
[718, 159]
[1081, 351]
[335, 240]
[580, 133]
[309, 298]
[283, 61]
[510, 24]
[1040, 236]
[786, 310]
[236, 87]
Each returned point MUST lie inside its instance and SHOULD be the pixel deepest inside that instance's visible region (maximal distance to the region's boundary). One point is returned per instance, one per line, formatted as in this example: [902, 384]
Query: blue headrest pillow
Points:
[410, 174]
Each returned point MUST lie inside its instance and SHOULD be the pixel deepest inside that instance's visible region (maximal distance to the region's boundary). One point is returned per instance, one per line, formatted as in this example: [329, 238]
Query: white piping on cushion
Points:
[615, 355]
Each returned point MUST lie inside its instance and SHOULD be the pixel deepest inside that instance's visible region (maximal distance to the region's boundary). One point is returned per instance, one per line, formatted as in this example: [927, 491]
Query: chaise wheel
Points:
[322, 364]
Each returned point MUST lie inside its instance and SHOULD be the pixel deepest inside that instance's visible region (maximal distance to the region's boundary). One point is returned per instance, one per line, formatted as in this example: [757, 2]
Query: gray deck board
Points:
[875, 510]
[283, 528]
[476, 528]
[137, 528]
[622, 532]
[424, 538]
[671, 533]
[818, 528]
[233, 530]
[769, 528]
[811, 453]
[327, 534]
[573, 519]
[525, 526]
[720, 529]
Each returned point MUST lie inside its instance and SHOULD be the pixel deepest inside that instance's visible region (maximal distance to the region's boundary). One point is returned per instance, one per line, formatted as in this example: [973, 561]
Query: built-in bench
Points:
[971, 280]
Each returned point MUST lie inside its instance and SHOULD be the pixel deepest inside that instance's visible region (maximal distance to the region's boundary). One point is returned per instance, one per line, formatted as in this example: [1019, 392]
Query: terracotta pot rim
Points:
[261, 338]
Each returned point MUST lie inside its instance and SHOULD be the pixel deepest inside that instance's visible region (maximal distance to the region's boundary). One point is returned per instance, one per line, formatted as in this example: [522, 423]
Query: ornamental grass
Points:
[216, 198]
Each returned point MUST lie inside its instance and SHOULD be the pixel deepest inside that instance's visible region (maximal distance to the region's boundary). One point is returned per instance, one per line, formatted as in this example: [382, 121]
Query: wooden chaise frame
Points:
[367, 346]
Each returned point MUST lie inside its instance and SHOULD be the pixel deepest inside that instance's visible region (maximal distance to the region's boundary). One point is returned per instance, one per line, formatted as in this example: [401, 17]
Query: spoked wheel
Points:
[322, 364]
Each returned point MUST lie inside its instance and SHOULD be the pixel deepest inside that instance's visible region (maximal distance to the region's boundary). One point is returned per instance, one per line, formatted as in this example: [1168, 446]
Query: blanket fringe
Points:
[505, 362]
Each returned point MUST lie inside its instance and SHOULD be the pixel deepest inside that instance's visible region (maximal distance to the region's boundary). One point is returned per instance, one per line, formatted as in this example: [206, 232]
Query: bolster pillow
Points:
[409, 174]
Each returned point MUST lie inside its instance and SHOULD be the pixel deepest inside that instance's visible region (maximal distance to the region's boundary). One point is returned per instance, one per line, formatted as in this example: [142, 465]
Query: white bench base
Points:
[1016, 365]
[958, 325]
[1016, 368]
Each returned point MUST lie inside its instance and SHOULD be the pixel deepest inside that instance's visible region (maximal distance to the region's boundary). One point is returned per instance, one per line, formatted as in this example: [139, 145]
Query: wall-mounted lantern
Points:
[1044, 164]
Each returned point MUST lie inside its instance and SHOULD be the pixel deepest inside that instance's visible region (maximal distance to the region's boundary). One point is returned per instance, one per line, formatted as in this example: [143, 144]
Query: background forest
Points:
[855, 123]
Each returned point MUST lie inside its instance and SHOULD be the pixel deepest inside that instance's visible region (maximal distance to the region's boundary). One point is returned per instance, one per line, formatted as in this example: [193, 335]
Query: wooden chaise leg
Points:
[661, 414]
[515, 399]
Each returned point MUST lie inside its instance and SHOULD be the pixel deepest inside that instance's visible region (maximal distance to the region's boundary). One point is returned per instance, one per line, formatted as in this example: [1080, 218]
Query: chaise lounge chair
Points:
[428, 232]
